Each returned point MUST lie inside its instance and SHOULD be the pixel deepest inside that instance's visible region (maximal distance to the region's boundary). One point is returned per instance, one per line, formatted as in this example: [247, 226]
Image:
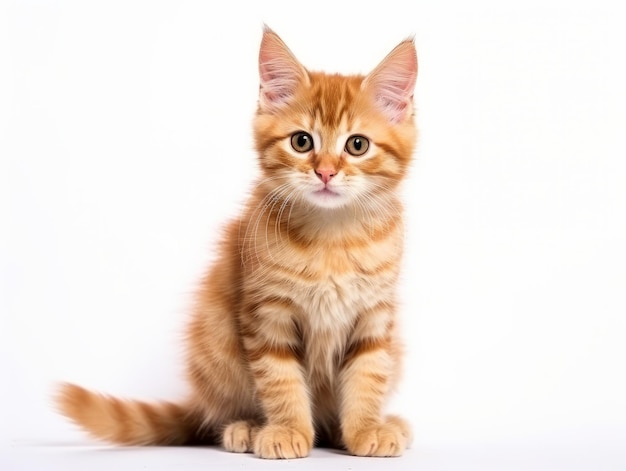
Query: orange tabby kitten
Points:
[294, 338]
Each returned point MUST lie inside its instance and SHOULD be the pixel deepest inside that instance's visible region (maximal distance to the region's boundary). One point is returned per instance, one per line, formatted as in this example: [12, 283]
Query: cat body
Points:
[293, 339]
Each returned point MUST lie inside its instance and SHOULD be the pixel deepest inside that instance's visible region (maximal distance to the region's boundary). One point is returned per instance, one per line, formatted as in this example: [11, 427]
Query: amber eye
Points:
[357, 145]
[301, 141]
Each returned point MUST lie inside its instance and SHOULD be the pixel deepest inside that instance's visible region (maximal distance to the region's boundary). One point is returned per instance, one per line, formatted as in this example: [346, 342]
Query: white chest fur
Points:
[330, 310]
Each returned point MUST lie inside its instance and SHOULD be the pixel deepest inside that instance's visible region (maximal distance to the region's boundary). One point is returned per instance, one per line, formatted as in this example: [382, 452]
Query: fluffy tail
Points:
[128, 422]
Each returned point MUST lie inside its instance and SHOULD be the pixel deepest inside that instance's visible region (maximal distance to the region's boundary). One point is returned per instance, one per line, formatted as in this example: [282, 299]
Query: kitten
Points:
[294, 339]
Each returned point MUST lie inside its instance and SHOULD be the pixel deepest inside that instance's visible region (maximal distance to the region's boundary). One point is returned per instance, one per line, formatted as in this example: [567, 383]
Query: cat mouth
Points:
[327, 198]
[326, 192]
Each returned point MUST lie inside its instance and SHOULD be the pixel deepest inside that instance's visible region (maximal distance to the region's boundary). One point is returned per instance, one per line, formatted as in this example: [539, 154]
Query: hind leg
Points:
[239, 436]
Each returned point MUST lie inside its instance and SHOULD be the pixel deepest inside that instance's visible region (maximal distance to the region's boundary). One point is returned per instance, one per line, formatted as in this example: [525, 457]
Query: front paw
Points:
[283, 442]
[237, 437]
[389, 438]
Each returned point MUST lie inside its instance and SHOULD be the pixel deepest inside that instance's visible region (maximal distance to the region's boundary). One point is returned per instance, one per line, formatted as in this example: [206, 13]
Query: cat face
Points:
[331, 141]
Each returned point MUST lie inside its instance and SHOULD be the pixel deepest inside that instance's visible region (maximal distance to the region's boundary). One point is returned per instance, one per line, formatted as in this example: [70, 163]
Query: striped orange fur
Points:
[294, 339]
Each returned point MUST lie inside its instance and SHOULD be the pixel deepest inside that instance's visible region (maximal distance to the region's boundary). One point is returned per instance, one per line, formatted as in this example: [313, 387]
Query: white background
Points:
[125, 145]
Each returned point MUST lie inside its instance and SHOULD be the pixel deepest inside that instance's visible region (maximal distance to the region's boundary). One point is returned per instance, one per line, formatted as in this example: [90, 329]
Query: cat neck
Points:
[349, 222]
[297, 219]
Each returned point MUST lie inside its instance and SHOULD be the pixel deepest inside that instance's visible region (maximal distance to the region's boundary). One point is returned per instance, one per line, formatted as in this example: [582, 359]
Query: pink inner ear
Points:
[393, 81]
[279, 70]
[277, 82]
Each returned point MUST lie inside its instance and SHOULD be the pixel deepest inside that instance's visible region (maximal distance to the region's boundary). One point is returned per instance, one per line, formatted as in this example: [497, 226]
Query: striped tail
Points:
[127, 422]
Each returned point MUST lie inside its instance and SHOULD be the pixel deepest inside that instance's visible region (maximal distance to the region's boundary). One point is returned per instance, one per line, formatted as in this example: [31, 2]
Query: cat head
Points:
[331, 141]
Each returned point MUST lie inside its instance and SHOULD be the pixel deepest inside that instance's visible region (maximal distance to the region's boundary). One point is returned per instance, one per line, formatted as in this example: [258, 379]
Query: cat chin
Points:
[327, 199]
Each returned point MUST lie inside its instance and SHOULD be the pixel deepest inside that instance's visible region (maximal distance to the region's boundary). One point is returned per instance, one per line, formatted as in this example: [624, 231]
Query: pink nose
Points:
[325, 174]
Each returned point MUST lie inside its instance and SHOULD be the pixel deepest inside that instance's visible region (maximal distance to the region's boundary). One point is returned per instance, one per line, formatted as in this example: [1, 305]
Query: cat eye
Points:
[357, 145]
[301, 141]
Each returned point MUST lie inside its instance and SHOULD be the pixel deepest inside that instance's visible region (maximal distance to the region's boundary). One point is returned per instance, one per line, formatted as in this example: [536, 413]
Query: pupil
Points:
[357, 144]
[303, 140]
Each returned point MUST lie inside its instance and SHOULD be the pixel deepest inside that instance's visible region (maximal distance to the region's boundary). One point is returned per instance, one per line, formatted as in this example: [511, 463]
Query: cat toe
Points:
[237, 437]
[390, 438]
[281, 442]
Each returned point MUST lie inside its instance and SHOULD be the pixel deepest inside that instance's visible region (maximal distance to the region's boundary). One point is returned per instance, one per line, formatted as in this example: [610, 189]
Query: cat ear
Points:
[279, 70]
[392, 81]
